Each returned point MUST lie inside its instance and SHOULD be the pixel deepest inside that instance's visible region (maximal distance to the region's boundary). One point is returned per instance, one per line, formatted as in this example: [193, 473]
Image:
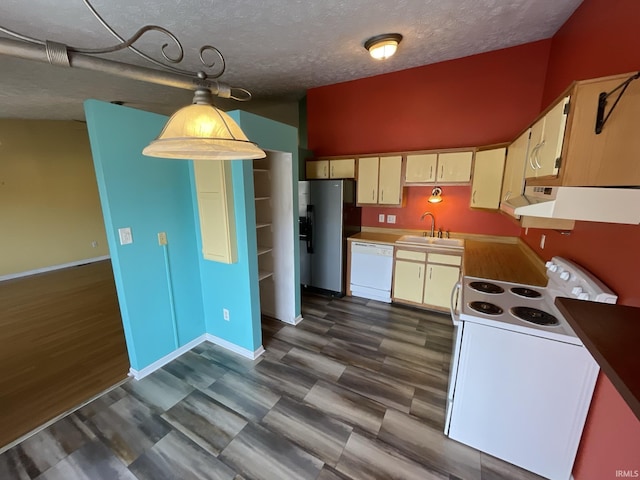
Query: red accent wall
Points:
[599, 39]
[477, 100]
[447, 213]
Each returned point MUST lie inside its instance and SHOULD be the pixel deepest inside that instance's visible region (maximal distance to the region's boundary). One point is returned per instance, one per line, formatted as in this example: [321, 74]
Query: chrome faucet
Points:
[433, 222]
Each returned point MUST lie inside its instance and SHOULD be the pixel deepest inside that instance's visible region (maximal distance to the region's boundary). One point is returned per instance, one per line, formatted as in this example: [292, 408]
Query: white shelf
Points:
[262, 198]
[264, 274]
[262, 225]
[263, 250]
[261, 170]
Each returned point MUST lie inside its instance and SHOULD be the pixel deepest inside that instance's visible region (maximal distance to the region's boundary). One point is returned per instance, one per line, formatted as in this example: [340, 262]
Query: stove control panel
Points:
[569, 280]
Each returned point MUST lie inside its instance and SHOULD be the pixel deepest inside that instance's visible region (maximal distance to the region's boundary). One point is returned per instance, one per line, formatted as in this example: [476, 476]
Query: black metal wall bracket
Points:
[601, 118]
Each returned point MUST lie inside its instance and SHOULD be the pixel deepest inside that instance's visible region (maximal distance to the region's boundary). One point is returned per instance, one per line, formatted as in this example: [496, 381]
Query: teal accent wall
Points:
[235, 286]
[155, 283]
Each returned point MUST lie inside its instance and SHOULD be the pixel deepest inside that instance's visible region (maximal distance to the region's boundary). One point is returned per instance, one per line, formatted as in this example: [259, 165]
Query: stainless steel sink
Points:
[431, 241]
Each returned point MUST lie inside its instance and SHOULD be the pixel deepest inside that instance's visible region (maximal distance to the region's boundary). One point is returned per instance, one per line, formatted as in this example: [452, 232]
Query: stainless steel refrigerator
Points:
[328, 215]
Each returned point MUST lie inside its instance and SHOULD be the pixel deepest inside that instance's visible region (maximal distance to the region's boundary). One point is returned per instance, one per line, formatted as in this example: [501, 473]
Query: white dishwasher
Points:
[371, 268]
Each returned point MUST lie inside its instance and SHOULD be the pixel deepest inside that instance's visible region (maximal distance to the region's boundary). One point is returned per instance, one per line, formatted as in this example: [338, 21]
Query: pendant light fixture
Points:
[196, 132]
[383, 46]
[436, 195]
[202, 132]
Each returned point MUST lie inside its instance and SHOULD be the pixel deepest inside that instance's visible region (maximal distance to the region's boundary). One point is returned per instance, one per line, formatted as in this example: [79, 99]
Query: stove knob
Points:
[583, 296]
[576, 291]
[552, 267]
[564, 276]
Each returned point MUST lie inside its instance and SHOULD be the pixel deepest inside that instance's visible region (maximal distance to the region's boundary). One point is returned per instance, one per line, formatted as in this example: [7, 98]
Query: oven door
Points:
[456, 300]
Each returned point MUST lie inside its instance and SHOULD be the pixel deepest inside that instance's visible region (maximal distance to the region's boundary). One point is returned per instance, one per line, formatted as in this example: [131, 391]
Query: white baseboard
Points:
[297, 320]
[235, 348]
[149, 369]
[206, 337]
[53, 267]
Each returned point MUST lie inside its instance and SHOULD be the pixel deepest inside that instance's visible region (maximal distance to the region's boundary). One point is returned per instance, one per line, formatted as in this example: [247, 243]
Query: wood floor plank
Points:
[61, 343]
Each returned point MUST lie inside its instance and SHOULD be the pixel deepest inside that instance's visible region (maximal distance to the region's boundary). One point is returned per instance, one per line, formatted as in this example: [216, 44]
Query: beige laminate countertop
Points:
[505, 260]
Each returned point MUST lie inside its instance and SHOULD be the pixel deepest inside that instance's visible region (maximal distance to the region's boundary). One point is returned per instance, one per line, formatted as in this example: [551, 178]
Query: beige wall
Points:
[49, 207]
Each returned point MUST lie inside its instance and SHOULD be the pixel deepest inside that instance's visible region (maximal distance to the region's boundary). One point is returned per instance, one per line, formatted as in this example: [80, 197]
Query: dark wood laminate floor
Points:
[357, 390]
[61, 343]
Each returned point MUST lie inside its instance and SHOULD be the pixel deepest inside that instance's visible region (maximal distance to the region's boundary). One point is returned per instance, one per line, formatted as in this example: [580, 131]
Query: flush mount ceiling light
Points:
[383, 46]
[436, 195]
[199, 131]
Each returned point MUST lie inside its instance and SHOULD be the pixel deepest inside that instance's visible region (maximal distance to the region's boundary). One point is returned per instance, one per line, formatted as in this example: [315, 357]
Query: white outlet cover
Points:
[391, 219]
[381, 218]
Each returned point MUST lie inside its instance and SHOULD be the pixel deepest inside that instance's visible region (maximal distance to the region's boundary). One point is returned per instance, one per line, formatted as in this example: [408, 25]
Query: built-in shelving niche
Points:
[273, 193]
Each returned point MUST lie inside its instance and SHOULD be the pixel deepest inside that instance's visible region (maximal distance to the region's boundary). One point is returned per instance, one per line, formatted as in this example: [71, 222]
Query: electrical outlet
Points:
[94, 244]
[542, 240]
[162, 238]
[125, 236]
[225, 314]
[391, 219]
[381, 218]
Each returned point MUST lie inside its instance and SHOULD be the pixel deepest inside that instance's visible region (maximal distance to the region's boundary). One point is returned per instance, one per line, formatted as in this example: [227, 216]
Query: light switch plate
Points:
[391, 219]
[125, 236]
[162, 238]
[381, 218]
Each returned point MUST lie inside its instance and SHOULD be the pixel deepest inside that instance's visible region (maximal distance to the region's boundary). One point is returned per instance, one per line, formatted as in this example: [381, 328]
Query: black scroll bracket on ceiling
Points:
[601, 118]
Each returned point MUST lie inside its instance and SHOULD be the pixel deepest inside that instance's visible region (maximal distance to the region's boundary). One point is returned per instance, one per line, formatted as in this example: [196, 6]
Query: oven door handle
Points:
[454, 301]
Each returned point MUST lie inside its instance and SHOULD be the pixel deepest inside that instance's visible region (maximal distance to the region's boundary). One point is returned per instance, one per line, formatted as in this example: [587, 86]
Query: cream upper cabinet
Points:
[317, 169]
[547, 137]
[513, 180]
[408, 281]
[454, 167]
[487, 178]
[214, 192]
[342, 168]
[367, 185]
[439, 283]
[421, 168]
[390, 181]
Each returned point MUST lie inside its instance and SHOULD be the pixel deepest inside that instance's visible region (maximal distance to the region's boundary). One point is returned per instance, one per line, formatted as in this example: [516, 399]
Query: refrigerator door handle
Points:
[310, 226]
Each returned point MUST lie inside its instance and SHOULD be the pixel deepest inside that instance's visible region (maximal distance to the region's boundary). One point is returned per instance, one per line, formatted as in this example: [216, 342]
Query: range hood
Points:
[592, 204]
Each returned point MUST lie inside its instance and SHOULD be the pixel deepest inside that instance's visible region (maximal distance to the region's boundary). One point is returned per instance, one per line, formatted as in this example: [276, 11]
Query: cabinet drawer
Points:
[411, 255]
[445, 259]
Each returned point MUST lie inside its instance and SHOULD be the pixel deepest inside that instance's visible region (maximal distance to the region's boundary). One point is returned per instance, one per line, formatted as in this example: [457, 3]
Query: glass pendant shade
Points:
[202, 132]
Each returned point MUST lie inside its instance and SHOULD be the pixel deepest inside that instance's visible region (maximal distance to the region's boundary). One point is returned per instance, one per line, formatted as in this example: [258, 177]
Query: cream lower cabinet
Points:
[214, 191]
[408, 276]
[425, 278]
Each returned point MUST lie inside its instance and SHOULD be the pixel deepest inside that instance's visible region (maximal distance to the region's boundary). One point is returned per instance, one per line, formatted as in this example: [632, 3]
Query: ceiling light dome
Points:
[383, 46]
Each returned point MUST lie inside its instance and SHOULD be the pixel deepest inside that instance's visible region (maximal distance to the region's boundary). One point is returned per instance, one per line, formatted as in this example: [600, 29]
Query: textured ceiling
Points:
[277, 49]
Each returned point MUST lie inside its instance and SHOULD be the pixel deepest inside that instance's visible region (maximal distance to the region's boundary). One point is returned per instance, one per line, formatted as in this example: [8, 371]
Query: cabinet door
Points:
[421, 168]
[408, 280]
[317, 169]
[367, 184]
[439, 283]
[487, 178]
[454, 167]
[548, 155]
[342, 168]
[215, 208]
[390, 183]
[513, 181]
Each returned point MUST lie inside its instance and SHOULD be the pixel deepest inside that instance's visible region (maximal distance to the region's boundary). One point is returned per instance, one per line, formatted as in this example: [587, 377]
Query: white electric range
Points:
[521, 381]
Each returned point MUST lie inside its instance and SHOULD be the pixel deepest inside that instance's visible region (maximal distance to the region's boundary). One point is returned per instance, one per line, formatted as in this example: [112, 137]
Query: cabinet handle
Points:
[537, 154]
[430, 272]
[442, 172]
[382, 195]
[332, 170]
[473, 197]
[533, 152]
[430, 172]
[324, 171]
[507, 196]
[420, 271]
[373, 194]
